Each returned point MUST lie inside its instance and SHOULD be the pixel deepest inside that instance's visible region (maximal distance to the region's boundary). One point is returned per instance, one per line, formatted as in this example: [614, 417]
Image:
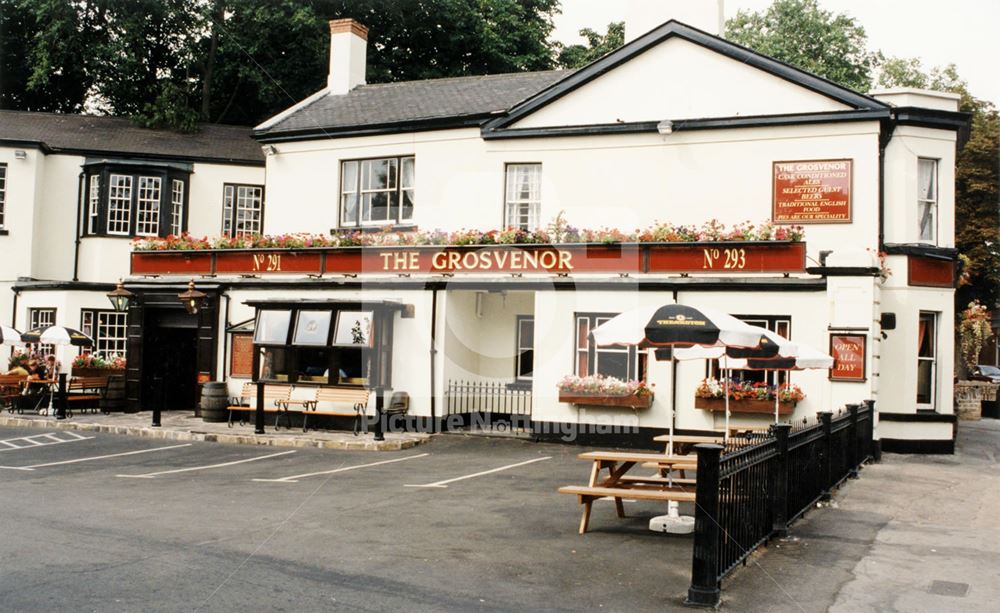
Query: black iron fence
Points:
[489, 400]
[750, 491]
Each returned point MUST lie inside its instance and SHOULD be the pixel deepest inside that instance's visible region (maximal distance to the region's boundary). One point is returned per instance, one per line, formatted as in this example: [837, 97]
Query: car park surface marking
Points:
[479, 474]
[32, 442]
[104, 457]
[193, 468]
[295, 478]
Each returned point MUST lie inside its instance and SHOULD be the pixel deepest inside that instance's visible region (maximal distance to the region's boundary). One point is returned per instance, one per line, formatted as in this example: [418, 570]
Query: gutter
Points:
[79, 231]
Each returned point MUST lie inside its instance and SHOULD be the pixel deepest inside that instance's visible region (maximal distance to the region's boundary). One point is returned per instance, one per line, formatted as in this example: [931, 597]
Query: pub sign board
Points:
[812, 191]
[848, 351]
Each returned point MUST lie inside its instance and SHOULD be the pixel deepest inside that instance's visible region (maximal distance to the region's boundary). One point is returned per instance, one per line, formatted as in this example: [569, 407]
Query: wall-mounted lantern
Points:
[120, 298]
[191, 299]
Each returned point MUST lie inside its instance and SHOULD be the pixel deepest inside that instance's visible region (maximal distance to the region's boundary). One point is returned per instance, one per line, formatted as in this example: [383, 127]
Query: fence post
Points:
[826, 469]
[704, 590]
[259, 413]
[872, 450]
[779, 483]
[853, 454]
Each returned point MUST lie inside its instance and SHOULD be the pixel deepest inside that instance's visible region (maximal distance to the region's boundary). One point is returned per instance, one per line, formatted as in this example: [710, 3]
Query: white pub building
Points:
[453, 241]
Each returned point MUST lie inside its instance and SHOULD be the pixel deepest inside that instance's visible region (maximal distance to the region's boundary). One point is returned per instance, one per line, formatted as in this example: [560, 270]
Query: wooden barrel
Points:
[114, 399]
[214, 400]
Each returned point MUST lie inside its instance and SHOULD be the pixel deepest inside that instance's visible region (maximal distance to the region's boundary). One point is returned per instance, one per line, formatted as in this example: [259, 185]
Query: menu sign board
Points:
[812, 191]
[848, 351]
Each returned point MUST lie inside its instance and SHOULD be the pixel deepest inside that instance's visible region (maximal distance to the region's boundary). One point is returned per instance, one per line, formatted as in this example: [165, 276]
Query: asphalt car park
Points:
[105, 522]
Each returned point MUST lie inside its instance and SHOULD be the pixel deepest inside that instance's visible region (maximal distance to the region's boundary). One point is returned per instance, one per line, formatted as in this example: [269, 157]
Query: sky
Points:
[963, 32]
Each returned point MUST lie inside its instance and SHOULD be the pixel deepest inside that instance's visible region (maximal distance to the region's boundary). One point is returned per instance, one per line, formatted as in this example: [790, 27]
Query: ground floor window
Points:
[525, 350]
[109, 329]
[926, 360]
[40, 318]
[780, 325]
[623, 363]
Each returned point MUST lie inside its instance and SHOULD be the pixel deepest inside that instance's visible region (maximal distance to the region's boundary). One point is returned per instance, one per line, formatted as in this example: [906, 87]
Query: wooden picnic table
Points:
[619, 485]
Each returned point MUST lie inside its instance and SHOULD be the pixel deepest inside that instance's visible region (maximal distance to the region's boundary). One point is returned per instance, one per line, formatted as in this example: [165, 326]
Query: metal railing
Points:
[749, 492]
[487, 397]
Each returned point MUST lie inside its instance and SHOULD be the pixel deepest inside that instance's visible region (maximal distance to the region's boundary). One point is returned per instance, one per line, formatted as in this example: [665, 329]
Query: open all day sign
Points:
[812, 191]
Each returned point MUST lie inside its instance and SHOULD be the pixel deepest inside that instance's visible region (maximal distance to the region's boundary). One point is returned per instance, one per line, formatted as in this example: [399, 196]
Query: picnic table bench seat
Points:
[10, 390]
[588, 494]
[85, 393]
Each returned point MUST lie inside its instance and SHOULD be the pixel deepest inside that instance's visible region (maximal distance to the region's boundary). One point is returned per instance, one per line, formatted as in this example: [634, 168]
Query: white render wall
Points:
[68, 305]
[624, 181]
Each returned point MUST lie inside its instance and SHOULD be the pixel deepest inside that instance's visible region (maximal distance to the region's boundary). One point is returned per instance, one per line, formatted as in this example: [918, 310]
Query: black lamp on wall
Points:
[191, 299]
[120, 298]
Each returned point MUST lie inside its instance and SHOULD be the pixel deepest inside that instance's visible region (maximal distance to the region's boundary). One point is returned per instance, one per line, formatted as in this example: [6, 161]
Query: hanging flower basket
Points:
[604, 400]
[745, 405]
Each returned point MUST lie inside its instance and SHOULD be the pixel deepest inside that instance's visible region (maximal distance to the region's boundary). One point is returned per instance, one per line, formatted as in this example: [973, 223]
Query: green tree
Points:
[799, 32]
[598, 45]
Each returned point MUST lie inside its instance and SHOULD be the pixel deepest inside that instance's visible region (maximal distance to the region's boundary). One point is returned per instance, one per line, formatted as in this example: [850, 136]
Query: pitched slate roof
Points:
[430, 103]
[93, 135]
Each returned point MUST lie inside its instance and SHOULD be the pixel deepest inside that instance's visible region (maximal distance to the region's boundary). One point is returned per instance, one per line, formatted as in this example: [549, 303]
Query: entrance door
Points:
[170, 362]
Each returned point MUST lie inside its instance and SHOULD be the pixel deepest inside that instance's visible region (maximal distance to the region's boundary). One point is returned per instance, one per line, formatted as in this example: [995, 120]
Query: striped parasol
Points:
[57, 335]
[10, 336]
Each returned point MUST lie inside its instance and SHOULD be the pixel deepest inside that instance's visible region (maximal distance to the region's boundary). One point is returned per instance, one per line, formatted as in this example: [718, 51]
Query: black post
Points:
[61, 401]
[873, 448]
[379, 404]
[826, 468]
[259, 413]
[157, 400]
[704, 590]
[779, 482]
[853, 456]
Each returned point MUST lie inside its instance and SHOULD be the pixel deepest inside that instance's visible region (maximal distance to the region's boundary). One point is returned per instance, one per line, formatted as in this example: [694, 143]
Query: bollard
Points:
[61, 401]
[705, 590]
[157, 400]
[259, 413]
[379, 404]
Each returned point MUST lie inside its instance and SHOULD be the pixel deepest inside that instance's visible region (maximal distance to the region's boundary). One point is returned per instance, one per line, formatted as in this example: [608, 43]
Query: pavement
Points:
[183, 426]
[916, 533]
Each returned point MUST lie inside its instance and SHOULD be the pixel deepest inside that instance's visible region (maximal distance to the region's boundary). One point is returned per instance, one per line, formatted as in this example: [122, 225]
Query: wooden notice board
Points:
[848, 351]
[241, 364]
[811, 191]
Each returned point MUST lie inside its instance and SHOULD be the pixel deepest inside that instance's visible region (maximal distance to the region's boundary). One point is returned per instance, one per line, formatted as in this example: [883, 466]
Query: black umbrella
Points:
[57, 335]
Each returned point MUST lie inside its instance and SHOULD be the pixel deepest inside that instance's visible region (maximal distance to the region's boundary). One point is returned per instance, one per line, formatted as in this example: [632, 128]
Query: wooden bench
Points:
[246, 402]
[10, 390]
[588, 494]
[355, 397]
[85, 393]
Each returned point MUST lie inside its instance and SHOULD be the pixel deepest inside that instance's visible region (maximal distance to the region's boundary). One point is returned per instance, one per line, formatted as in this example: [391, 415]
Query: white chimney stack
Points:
[641, 16]
[348, 55]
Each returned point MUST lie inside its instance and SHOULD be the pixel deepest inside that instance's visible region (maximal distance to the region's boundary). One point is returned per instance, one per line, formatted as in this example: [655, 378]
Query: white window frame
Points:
[934, 319]
[633, 356]
[176, 207]
[356, 185]
[242, 209]
[929, 204]
[520, 210]
[119, 204]
[108, 328]
[520, 347]
[39, 317]
[93, 202]
[147, 206]
[3, 195]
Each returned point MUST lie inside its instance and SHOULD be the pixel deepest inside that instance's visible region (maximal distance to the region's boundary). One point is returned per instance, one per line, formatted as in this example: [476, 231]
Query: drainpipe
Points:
[225, 339]
[433, 352]
[13, 310]
[886, 127]
[673, 383]
[76, 246]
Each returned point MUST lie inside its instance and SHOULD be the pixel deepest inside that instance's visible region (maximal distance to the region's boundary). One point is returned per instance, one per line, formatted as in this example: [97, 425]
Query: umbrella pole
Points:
[725, 436]
[776, 388]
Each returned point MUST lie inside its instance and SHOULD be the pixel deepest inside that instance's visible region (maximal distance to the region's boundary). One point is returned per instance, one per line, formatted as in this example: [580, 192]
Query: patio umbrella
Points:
[57, 335]
[10, 336]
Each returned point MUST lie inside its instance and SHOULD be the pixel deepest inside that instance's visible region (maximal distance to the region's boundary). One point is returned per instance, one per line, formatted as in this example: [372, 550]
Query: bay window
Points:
[377, 192]
[125, 200]
[523, 196]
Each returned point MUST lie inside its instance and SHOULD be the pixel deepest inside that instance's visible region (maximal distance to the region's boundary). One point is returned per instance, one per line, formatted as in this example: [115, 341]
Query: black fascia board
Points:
[959, 121]
[674, 28]
[927, 251]
[690, 125]
[51, 286]
[84, 152]
[27, 144]
[398, 127]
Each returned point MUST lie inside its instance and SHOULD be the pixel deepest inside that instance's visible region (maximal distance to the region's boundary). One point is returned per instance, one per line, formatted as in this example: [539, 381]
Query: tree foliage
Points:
[598, 45]
[172, 62]
[800, 33]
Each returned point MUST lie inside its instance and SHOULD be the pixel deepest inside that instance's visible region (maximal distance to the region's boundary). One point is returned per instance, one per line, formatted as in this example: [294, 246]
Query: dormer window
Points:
[128, 200]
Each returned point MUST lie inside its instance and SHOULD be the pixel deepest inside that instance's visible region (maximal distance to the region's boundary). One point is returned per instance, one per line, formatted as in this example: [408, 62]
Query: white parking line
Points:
[485, 472]
[192, 468]
[32, 443]
[295, 478]
[103, 457]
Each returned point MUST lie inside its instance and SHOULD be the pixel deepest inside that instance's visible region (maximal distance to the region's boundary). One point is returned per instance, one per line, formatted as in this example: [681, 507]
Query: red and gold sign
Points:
[812, 191]
[848, 351]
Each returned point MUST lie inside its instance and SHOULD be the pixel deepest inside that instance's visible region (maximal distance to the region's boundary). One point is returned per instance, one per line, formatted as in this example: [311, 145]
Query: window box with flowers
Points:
[597, 390]
[746, 397]
[96, 365]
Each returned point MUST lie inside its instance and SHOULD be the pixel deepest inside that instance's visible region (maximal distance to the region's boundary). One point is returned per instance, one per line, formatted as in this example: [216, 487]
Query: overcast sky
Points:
[963, 32]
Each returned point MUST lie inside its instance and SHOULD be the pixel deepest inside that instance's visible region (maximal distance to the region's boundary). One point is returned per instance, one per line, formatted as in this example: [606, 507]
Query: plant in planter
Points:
[605, 391]
[746, 396]
[94, 364]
